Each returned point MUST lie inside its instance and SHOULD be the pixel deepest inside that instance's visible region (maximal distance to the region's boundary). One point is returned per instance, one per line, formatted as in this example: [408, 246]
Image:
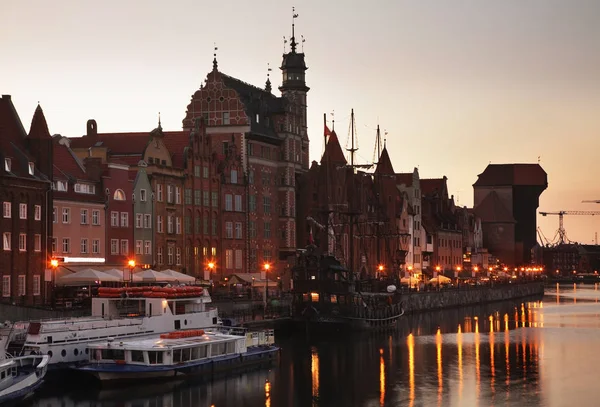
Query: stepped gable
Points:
[39, 127]
[492, 210]
[512, 174]
[384, 165]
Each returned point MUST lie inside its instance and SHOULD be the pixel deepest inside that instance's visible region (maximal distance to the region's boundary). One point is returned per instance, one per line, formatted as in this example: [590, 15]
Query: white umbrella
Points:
[119, 273]
[182, 278]
[153, 275]
[86, 276]
[440, 279]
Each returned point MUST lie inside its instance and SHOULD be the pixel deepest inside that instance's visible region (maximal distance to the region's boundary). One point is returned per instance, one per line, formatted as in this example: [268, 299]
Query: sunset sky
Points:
[456, 84]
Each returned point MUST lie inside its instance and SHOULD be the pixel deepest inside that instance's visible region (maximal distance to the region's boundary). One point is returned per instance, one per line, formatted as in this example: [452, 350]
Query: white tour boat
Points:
[120, 313]
[180, 354]
[20, 376]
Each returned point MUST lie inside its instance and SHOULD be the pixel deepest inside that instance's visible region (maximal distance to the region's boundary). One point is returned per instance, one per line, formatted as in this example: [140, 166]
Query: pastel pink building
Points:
[78, 212]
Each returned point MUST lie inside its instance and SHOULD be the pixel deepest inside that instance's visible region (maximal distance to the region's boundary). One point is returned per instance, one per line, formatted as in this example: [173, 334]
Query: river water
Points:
[536, 353]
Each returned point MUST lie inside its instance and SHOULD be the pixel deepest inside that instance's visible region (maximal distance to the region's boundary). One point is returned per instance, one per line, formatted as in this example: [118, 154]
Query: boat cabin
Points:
[148, 301]
[8, 372]
[168, 349]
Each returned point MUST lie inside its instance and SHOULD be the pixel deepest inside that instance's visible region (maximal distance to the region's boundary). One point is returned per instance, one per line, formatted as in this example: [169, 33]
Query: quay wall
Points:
[452, 298]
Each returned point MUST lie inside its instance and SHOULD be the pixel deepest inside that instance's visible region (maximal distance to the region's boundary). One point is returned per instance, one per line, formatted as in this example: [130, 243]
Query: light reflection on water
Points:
[524, 354]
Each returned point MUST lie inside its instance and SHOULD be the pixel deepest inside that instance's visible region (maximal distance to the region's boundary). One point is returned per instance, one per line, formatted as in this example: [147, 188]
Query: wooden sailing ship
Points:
[330, 286]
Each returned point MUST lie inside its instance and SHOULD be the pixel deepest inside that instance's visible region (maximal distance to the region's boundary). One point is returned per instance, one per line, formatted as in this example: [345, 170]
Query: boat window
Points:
[231, 347]
[314, 297]
[333, 299]
[177, 356]
[305, 297]
[186, 354]
[113, 354]
[137, 356]
[178, 324]
[217, 349]
[155, 357]
[13, 371]
[199, 352]
[2, 375]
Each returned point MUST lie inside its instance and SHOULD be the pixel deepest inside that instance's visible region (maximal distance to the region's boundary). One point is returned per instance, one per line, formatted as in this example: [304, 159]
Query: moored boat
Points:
[180, 354]
[120, 313]
[20, 376]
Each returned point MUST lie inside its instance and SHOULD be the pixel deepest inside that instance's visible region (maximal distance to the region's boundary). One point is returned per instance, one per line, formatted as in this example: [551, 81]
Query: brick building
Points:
[26, 196]
[259, 142]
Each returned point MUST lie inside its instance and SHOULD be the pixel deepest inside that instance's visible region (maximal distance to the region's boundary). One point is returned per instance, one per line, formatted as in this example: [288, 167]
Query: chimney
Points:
[93, 167]
[92, 128]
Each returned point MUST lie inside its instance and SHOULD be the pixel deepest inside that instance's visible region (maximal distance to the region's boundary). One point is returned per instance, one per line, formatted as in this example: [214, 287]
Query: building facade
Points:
[143, 211]
[118, 189]
[78, 209]
[26, 196]
[506, 198]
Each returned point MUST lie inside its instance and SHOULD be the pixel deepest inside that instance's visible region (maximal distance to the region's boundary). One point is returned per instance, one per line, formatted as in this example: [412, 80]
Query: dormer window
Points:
[31, 168]
[7, 165]
[61, 186]
[85, 189]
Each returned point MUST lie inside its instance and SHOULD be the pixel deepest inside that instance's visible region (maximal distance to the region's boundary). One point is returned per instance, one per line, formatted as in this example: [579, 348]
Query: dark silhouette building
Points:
[26, 197]
[506, 198]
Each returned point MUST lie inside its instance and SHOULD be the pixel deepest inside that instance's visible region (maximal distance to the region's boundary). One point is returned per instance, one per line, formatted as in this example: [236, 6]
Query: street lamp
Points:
[54, 265]
[437, 270]
[208, 271]
[267, 266]
[131, 265]
[380, 269]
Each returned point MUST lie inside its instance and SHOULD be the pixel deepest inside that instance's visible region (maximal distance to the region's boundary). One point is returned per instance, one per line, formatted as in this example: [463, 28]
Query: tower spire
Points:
[215, 63]
[159, 125]
[268, 83]
[293, 39]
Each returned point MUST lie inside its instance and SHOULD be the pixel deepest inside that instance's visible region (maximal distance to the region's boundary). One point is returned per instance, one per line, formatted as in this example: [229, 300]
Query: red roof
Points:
[404, 178]
[384, 166]
[39, 127]
[430, 186]
[333, 151]
[512, 174]
[176, 142]
[66, 164]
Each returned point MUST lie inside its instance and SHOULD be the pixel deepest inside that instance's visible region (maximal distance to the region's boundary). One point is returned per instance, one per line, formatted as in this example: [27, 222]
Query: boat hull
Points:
[209, 368]
[29, 378]
[314, 319]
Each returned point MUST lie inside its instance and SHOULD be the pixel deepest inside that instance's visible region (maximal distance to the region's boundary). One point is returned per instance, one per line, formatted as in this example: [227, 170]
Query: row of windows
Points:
[202, 198]
[21, 285]
[7, 242]
[84, 247]
[83, 216]
[7, 211]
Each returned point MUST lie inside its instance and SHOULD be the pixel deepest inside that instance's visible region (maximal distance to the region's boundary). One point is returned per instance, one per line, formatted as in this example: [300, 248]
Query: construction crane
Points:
[562, 234]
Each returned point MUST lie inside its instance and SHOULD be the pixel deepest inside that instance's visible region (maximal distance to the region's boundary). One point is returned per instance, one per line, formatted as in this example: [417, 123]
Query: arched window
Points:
[119, 195]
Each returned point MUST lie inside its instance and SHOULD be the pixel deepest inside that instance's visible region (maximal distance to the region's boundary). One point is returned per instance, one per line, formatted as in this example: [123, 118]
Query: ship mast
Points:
[352, 150]
[378, 197]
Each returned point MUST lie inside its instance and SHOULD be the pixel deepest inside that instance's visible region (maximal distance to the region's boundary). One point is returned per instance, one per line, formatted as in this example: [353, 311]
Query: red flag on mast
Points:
[311, 240]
